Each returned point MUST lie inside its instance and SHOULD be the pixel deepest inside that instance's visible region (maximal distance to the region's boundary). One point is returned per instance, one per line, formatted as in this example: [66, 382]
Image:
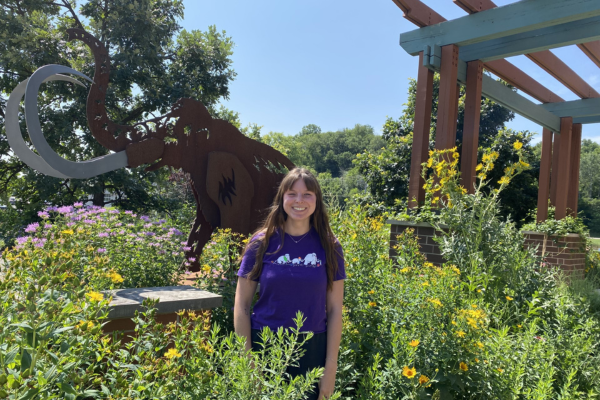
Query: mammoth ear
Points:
[230, 186]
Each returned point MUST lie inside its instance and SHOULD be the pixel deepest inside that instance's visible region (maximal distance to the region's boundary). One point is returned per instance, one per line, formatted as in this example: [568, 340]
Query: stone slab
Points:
[125, 302]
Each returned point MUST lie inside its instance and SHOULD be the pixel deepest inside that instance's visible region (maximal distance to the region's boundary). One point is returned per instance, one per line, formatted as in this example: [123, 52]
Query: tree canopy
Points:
[154, 62]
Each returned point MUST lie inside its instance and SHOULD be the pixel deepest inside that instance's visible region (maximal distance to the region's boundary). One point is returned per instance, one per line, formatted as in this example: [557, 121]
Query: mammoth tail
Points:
[109, 134]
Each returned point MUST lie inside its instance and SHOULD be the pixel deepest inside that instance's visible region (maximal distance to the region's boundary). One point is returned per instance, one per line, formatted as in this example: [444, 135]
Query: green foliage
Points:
[387, 173]
[52, 346]
[153, 64]
[108, 246]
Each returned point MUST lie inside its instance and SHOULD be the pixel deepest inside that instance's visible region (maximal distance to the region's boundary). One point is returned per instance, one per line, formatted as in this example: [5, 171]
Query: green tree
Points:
[153, 64]
[387, 173]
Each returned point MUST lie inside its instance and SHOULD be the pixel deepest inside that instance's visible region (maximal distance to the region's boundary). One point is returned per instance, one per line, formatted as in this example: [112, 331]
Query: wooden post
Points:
[573, 195]
[445, 134]
[544, 181]
[422, 125]
[471, 124]
[564, 162]
[554, 169]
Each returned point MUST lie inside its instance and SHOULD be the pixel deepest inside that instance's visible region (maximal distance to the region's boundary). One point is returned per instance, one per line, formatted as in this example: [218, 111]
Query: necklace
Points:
[298, 241]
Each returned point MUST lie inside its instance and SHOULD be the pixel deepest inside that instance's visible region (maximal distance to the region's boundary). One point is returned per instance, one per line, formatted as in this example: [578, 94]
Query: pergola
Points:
[460, 49]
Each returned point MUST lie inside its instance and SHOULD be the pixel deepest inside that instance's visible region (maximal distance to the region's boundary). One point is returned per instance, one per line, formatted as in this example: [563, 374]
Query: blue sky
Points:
[336, 63]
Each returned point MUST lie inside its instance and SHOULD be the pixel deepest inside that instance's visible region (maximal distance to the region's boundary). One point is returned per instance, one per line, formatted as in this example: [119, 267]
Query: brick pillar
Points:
[544, 181]
[471, 124]
[564, 162]
[573, 195]
[422, 124]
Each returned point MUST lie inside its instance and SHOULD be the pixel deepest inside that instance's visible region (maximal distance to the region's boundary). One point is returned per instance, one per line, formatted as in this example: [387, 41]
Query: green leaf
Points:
[30, 393]
[65, 387]
[25, 360]
[26, 327]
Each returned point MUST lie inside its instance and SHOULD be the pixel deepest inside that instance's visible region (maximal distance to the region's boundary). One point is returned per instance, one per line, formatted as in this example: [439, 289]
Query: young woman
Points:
[299, 264]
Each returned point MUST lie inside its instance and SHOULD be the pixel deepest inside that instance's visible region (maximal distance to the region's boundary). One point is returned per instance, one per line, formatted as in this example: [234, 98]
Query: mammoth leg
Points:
[199, 236]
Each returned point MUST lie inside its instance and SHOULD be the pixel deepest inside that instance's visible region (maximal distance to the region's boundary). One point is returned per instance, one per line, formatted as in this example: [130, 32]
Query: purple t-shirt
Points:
[293, 279]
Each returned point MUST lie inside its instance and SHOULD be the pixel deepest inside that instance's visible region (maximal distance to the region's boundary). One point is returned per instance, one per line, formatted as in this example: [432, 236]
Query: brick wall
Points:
[565, 251]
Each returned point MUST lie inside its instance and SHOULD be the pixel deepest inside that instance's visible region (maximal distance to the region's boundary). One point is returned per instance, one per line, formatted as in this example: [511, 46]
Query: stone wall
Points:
[565, 252]
[172, 299]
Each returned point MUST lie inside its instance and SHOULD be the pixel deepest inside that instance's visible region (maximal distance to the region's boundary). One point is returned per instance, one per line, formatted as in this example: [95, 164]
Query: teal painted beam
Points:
[582, 31]
[574, 108]
[503, 95]
[512, 19]
[587, 120]
[510, 99]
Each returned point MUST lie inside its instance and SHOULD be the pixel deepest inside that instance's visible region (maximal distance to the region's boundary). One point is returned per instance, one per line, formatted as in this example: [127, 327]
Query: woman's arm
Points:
[241, 310]
[335, 298]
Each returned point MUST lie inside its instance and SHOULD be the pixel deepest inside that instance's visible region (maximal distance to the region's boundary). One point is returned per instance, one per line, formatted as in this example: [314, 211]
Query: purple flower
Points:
[145, 218]
[187, 272]
[213, 242]
[22, 240]
[78, 204]
[161, 221]
[113, 211]
[149, 233]
[70, 223]
[186, 248]
[175, 253]
[103, 234]
[65, 209]
[175, 231]
[43, 214]
[148, 226]
[187, 264]
[89, 221]
[32, 227]
[192, 259]
[118, 224]
[130, 225]
[101, 250]
[128, 212]
[121, 232]
[162, 252]
[47, 226]
[51, 208]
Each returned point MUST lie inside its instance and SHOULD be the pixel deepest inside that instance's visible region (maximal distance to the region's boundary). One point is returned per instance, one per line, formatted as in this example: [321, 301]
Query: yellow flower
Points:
[477, 360]
[206, 268]
[480, 345]
[463, 366]
[517, 145]
[482, 176]
[519, 326]
[428, 265]
[171, 353]
[435, 302]
[523, 164]
[478, 167]
[500, 370]
[405, 270]
[474, 305]
[461, 334]
[409, 372]
[95, 296]
[509, 298]
[425, 283]
[115, 277]
[505, 180]
[371, 292]
[67, 231]
[414, 343]
[423, 380]
[372, 304]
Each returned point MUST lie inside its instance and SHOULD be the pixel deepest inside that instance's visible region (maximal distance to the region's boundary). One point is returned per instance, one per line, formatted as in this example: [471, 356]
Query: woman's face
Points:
[298, 202]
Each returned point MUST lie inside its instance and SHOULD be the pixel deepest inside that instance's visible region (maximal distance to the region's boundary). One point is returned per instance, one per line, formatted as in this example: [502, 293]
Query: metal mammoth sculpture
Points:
[234, 178]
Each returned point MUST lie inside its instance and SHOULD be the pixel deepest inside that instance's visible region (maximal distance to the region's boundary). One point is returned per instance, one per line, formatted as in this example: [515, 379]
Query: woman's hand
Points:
[327, 382]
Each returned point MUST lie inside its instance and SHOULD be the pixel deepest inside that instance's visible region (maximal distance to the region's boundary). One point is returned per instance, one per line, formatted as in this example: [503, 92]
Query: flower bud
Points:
[43, 280]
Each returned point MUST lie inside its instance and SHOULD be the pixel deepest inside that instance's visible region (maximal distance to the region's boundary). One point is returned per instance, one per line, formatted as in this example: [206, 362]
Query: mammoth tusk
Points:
[13, 131]
[79, 170]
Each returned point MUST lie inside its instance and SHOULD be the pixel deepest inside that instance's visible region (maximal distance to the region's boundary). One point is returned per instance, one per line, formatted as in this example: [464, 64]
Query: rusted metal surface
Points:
[472, 115]
[564, 163]
[544, 180]
[573, 195]
[445, 134]
[592, 50]
[422, 124]
[418, 13]
[234, 178]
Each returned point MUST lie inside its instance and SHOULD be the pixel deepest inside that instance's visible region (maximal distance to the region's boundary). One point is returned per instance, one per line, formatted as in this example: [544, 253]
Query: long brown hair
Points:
[276, 218]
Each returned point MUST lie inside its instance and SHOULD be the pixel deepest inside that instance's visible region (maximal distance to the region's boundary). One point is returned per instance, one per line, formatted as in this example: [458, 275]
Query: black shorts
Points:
[314, 356]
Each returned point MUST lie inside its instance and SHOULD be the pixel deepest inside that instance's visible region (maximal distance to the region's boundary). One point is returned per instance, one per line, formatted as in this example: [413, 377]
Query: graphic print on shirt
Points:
[310, 260]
